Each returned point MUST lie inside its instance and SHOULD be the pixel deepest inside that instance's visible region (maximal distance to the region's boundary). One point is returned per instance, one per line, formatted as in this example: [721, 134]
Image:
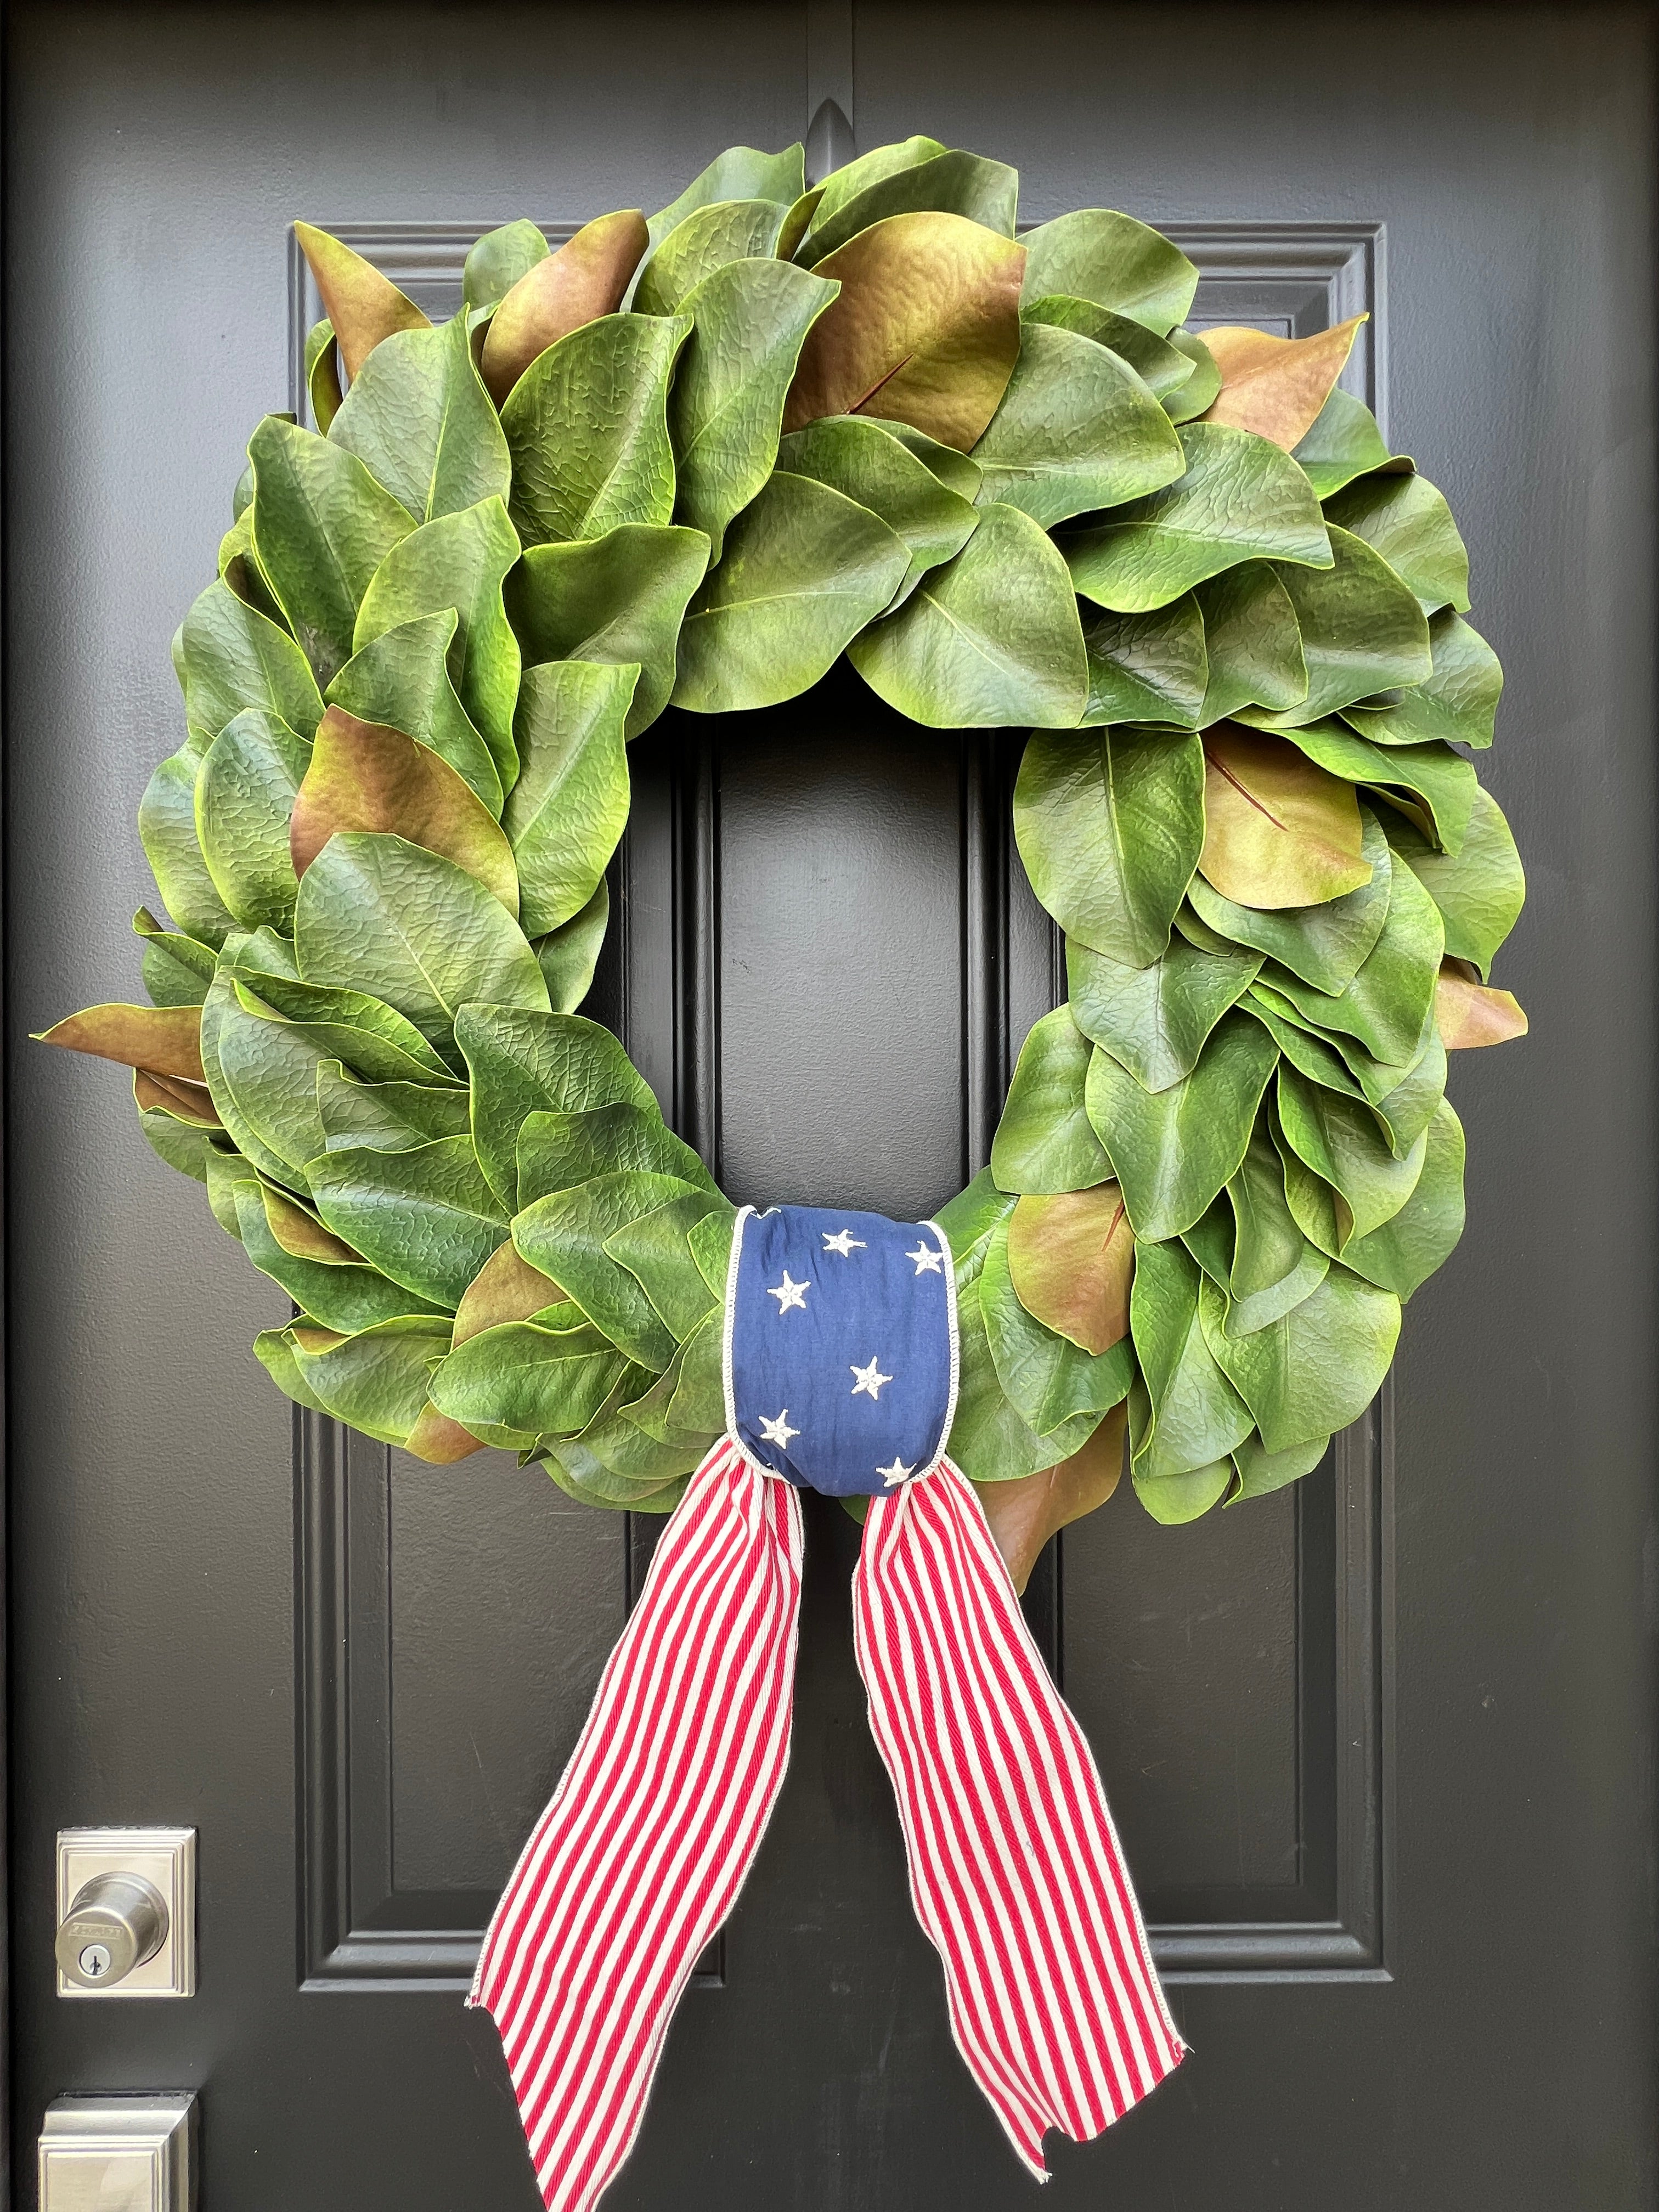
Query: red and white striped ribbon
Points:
[1016, 1871]
[1015, 1868]
[639, 1858]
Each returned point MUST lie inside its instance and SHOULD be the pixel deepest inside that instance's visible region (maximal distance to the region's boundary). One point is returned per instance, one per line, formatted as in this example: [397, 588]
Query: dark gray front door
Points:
[1380, 1747]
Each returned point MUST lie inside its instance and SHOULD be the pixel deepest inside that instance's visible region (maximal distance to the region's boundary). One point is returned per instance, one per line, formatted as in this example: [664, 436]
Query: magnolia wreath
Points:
[694, 461]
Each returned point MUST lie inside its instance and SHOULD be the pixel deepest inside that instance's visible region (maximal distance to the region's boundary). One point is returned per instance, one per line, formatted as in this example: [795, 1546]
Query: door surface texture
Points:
[1379, 1745]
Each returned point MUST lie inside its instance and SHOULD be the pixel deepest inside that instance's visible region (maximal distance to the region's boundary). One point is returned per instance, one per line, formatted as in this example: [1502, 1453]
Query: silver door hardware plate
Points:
[118, 2154]
[118, 1890]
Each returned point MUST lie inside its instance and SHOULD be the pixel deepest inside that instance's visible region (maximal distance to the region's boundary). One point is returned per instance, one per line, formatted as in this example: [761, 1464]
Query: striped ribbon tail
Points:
[641, 1855]
[1016, 1872]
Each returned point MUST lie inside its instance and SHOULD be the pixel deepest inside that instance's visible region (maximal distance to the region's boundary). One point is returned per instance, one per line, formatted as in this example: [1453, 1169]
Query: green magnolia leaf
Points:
[1195, 396]
[1156, 1020]
[1096, 255]
[1407, 1108]
[869, 462]
[245, 793]
[1192, 1416]
[340, 1295]
[1253, 645]
[1433, 777]
[805, 571]
[262, 1074]
[711, 238]
[418, 418]
[523, 1063]
[588, 427]
[952, 468]
[497, 261]
[1048, 1381]
[1389, 999]
[177, 970]
[557, 1151]
[460, 562]
[1044, 1142]
[967, 1220]
[1162, 367]
[521, 1380]
[564, 1236]
[1457, 702]
[1340, 1141]
[655, 1250]
[378, 914]
[925, 330]
[177, 1144]
[749, 320]
[990, 1439]
[321, 527]
[322, 368]
[385, 1117]
[425, 1216]
[985, 192]
[1240, 499]
[990, 639]
[740, 173]
[1408, 522]
[1317, 1369]
[1111, 825]
[1262, 1472]
[1076, 429]
[570, 807]
[698, 1405]
[1174, 1149]
[274, 1354]
[1325, 944]
[376, 1380]
[167, 828]
[402, 679]
[1174, 1499]
[568, 955]
[619, 599]
[1479, 889]
[1405, 1251]
[1274, 1266]
[1146, 668]
[231, 659]
[1343, 443]
[651, 1412]
[372, 1037]
[710, 1240]
[1362, 630]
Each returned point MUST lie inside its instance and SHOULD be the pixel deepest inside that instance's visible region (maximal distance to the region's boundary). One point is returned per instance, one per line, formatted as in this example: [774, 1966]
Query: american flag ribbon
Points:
[1015, 1868]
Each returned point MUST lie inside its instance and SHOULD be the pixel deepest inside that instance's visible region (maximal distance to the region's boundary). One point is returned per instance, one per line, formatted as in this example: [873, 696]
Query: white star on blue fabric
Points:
[894, 1475]
[789, 1293]
[843, 1242]
[779, 1432]
[929, 1261]
[869, 1380]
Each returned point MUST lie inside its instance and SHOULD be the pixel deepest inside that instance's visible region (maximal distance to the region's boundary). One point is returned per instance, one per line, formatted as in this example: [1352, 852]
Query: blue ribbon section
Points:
[841, 1347]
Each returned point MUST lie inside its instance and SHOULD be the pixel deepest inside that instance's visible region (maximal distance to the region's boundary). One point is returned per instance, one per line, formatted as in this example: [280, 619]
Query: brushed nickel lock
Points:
[126, 1912]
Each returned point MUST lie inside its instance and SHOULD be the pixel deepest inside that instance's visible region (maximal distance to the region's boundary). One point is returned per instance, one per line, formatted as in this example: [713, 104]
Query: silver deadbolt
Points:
[116, 1923]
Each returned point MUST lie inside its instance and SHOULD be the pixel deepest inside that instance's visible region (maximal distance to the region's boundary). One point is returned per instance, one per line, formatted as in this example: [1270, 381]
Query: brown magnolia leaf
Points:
[364, 775]
[1276, 386]
[1470, 1012]
[1024, 1514]
[1070, 1258]
[161, 1040]
[506, 1288]
[925, 330]
[584, 280]
[189, 1102]
[300, 1234]
[363, 306]
[1278, 831]
[309, 1337]
[437, 1440]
